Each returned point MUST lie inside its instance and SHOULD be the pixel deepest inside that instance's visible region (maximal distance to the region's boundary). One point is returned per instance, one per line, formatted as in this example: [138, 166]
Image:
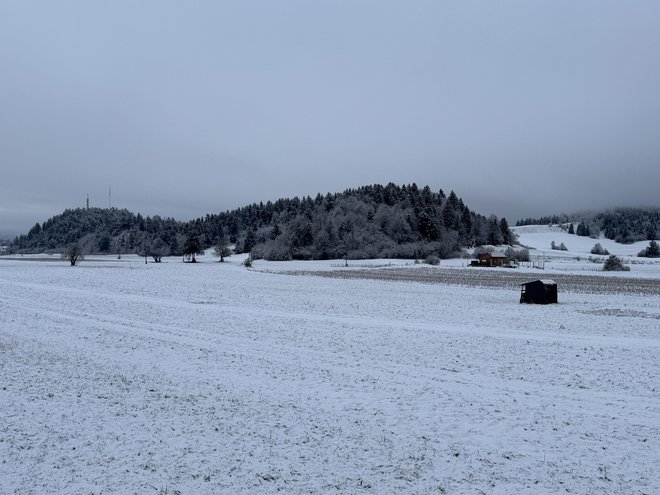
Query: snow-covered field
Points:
[120, 377]
[540, 238]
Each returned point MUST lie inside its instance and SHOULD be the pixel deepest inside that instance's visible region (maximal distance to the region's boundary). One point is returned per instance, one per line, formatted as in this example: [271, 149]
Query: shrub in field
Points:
[277, 253]
[598, 249]
[614, 264]
[432, 259]
[518, 255]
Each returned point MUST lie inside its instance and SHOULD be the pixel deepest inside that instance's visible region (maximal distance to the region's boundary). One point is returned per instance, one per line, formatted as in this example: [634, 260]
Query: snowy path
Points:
[215, 379]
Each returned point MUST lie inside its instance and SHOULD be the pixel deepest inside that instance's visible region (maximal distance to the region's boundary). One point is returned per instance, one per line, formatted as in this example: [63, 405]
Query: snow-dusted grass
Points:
[121, 377]
[578, 257]
[541, 236]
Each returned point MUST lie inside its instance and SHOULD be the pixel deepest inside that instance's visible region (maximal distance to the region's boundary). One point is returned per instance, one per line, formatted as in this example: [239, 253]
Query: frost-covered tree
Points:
[507, 235]
[222, 250]
[249, 241]
[598, 249]
[495, 236]
[519, 255]
[105, 243]
[614, 264]
[158, 248]
[192, 247]
[651, 251]
[74, 253]
[583, 230]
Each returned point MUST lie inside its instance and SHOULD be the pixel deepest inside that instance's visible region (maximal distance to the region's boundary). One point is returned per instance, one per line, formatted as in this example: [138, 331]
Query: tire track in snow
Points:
[362, 321]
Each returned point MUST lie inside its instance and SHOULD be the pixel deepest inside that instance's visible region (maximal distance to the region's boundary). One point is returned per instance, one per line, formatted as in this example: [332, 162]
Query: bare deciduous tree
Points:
[73, 253]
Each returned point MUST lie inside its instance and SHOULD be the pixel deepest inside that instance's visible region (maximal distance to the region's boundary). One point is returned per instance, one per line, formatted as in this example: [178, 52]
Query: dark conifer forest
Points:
[368, 222]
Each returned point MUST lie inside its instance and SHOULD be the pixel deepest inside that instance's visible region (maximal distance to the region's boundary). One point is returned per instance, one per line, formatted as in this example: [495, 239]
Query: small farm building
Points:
[539, 292]
[492, 259]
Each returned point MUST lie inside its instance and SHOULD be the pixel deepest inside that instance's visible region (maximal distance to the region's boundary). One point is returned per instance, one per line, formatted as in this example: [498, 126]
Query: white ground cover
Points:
[121, 377]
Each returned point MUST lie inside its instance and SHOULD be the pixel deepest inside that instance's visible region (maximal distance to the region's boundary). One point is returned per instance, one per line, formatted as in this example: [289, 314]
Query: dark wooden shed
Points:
[539, 292]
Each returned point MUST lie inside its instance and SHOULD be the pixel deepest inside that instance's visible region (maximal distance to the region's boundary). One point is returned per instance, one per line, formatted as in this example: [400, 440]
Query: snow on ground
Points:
[578, 257]
[539, 237]
[124, 377]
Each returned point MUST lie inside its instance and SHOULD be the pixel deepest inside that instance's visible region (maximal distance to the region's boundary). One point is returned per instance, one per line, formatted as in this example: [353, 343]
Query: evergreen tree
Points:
[104, 244]
[34, 231]
[249, 241]
[614, 264]
[192, 247]
[651, 251]
[507, 236]
[494, 232]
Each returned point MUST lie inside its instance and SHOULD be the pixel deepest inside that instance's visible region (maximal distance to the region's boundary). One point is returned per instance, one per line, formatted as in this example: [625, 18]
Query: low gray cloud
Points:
[522, 108]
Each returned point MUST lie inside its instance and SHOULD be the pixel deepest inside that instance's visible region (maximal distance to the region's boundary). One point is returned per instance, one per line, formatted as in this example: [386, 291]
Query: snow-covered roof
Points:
[546, 281]
[494, 255]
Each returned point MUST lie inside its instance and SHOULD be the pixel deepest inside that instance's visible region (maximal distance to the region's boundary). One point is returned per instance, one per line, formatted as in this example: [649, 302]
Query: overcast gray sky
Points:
[524, 108]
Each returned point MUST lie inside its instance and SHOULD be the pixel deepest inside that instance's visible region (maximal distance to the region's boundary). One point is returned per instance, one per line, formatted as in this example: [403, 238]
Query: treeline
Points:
[624, 225]
[627, 225]
[548, 220]
[368, 222]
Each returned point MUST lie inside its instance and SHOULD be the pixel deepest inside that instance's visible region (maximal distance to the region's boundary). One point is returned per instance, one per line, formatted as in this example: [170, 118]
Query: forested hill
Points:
[98, 230]
[624, 225]
[367, 222]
